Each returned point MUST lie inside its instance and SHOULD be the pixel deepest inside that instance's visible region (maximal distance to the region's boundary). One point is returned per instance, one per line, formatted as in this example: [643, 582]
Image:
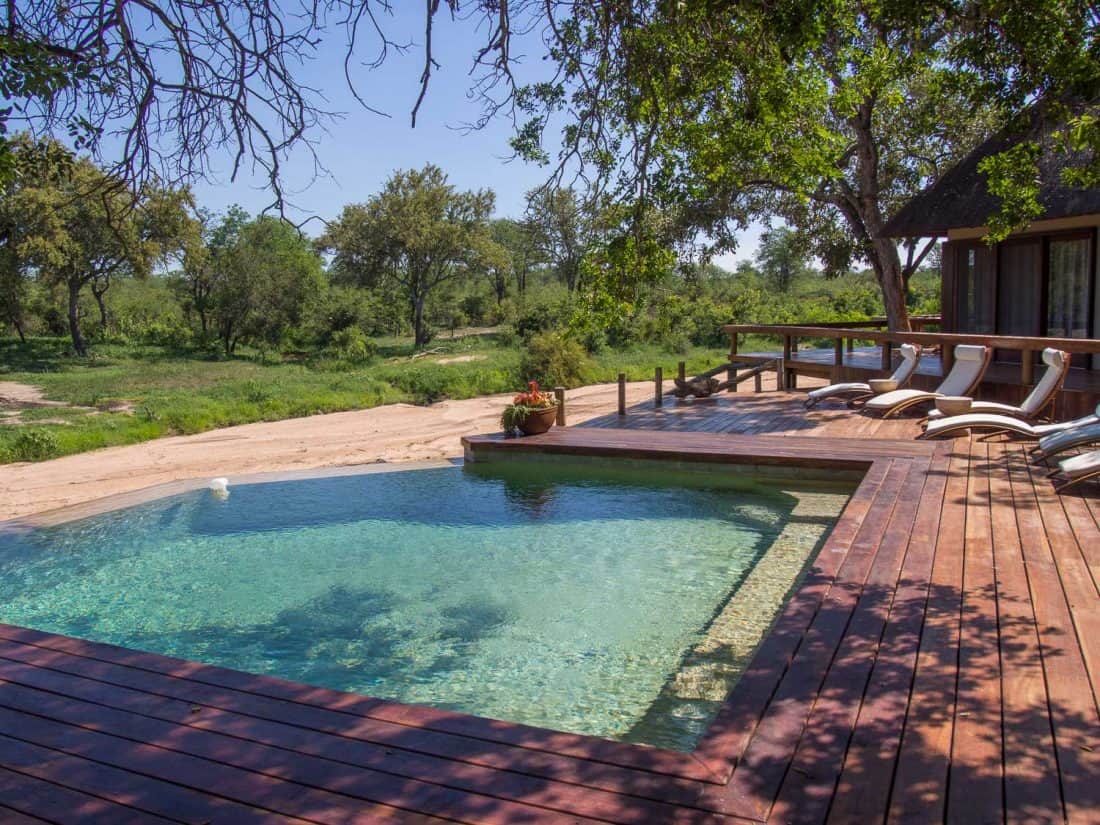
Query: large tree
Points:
[417, 233]
[68, 224]
[782, 258]
[826, 115]
[266, 276]
[563, 230]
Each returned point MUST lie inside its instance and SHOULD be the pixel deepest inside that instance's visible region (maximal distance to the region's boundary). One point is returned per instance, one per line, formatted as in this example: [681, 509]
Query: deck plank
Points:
[977, 767]
[813, 773]
[323, 753]
[1031, 767]
[863, 790]
[1071, 693]
[920, 781]
[397, 746]
[760, 773]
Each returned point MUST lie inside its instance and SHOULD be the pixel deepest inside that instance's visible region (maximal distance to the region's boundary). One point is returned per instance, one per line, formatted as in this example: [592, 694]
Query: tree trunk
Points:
[891, 279]
[420, 337]
[98, 295]
[18, 324]
[227, 338]
[74, 319]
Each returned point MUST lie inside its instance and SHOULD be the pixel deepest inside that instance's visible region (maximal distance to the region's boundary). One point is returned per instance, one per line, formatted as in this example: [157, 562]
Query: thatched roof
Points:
[961, 199]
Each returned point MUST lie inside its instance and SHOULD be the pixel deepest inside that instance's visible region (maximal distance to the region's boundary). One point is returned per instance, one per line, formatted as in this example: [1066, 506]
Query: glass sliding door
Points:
[1068, 287]
[974, 289]
[1020, 288]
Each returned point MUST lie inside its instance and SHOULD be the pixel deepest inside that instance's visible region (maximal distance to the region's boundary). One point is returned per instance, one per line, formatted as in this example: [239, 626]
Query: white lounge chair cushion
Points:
[838, 389]
[910, 358]
[989, 407]
[970, 361]
[889, 400]
[1080, 465]
[1057, 363]
[984, 421]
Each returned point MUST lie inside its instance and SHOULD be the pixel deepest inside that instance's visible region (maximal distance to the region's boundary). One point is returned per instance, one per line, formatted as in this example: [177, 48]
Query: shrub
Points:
[351, 346]
[32, 445]
[554, 359]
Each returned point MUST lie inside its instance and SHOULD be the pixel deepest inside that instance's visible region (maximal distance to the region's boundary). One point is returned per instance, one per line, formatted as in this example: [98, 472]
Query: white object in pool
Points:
[220, 487]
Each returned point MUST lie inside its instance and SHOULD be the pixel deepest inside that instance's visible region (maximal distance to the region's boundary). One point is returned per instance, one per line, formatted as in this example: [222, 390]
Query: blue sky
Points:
[361, 149]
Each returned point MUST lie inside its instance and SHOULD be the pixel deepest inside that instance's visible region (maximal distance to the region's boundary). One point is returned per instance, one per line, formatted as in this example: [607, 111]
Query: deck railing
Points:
[886, 340]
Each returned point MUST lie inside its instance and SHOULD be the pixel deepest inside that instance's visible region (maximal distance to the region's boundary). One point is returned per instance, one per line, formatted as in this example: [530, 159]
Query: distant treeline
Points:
[82, 256]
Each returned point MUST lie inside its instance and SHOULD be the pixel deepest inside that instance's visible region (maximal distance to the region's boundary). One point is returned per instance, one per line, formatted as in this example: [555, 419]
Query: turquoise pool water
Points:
[561, 596]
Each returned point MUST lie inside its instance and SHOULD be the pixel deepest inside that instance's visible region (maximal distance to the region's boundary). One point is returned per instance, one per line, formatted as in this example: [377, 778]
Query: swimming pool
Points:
[619, 603]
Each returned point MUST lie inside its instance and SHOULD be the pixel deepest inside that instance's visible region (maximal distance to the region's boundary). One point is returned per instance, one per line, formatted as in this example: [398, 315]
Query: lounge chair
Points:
[988, 415]
[1038, 401]
[971, 362]
[857, 390]
[993, 424]
[1076, 469]
[1086, 434]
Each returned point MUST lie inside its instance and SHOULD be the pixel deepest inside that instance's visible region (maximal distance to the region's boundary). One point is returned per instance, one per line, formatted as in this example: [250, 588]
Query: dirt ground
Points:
[397, 432]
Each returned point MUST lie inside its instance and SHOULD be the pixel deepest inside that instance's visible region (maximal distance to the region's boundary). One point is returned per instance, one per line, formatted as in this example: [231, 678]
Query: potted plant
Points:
[530, 412]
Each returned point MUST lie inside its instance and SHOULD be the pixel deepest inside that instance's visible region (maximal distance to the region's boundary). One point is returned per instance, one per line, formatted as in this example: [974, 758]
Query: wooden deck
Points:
[939, 663]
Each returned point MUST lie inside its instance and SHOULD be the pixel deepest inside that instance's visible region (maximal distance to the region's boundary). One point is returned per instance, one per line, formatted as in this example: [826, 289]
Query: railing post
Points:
[731, 373]
[838, 358]
[681, 370]
[622, 393]
[559, 394]
[658, 387]
[887, 354]
[758, 382]
[733, 345]
[1027, 367]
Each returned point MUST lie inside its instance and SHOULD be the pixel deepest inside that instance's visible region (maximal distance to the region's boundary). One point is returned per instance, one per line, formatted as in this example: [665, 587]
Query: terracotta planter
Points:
[538, 421]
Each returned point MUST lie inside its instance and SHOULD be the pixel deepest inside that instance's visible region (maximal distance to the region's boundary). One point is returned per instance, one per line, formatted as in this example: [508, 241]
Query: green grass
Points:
[180, 392]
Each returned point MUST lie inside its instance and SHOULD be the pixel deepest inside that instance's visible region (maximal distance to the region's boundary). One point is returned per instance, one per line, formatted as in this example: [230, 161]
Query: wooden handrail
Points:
[1013, 342]
[873, 323]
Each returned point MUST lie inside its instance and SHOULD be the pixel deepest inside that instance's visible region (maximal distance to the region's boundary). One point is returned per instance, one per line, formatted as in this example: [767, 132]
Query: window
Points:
[974, 298]
[1068, 280]
[1020, 288]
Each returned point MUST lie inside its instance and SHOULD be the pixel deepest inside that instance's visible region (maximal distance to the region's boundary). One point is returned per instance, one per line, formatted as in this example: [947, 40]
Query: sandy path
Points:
[397, 432]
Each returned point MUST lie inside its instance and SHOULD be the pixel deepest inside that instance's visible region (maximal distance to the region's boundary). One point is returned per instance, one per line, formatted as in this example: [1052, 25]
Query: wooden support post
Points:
[731, 374]
[838, 359]
[658, 387]
[786, 348]
[887, 355]
[559, 394]
[622, 393]
[733, 345]
[757, 381]
[1027, 367]
[851, 345]
[780, 374]
[681, 371]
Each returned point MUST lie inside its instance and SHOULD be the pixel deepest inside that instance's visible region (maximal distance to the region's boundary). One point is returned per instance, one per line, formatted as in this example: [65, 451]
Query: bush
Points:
[31, 445]
[351, 346]
[553, 360]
